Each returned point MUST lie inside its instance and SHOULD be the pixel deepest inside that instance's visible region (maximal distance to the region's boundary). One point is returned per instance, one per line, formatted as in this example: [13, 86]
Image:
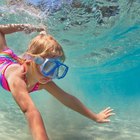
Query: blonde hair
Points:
[45, 46]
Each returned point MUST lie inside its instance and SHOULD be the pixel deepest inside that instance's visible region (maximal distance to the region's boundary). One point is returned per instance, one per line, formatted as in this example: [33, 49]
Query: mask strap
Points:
[39, 60]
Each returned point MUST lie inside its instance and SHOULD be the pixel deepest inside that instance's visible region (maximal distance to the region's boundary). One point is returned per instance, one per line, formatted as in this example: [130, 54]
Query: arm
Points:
[75, 104]
[2, 42]
[11, 28]
[21, 96]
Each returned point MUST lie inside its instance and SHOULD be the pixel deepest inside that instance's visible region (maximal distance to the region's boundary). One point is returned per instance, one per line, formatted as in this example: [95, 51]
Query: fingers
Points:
[103, 121]
[106, 121]
[104, 115]
[110, 114]
[108, 110]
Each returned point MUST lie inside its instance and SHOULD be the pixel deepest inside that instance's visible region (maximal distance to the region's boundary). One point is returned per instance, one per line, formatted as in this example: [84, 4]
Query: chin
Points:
[44, 80]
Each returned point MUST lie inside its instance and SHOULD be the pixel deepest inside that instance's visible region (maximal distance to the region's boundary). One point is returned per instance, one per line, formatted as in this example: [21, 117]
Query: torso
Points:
[7, 61]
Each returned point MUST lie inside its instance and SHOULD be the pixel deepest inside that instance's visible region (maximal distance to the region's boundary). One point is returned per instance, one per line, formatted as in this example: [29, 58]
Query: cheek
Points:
[39, 75]
[41, 79]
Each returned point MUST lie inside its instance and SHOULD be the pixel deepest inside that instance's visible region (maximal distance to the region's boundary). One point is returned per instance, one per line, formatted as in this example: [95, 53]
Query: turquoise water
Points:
[102, 49]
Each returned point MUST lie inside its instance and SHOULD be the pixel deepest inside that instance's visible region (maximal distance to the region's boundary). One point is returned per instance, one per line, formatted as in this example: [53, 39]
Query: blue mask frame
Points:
[50, 67]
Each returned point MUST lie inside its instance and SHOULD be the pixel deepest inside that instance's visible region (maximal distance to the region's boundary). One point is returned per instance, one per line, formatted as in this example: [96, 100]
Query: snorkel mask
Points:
[52, 68]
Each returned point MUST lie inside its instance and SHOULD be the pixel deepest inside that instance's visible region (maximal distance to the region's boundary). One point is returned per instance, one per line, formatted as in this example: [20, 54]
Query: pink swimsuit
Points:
[7, 58]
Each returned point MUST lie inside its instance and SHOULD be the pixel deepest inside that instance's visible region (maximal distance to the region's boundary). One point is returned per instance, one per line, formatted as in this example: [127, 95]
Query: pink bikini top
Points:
[7, 58]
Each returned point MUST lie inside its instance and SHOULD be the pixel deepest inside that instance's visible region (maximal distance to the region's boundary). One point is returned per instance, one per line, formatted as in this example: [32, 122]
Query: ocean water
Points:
[102, 45]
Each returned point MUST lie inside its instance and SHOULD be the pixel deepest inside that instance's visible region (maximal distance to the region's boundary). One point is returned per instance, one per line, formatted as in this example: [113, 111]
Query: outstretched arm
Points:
[75, 104]
[19, 91]
[11, 28]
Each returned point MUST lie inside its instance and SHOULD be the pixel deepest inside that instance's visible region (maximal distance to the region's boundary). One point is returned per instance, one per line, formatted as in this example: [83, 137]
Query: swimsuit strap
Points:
[8, 55]
[35, 88]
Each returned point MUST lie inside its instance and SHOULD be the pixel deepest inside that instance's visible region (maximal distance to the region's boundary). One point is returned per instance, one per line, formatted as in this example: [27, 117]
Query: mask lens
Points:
[62, 71]
[49, 66]
[54, 73]
[53, 69]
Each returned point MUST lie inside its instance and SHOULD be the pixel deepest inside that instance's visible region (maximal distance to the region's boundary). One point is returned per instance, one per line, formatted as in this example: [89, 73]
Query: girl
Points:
[40, 64]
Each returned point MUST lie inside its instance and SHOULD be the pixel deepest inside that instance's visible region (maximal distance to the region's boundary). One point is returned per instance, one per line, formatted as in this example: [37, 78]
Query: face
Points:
[51, 68]
[47, 47]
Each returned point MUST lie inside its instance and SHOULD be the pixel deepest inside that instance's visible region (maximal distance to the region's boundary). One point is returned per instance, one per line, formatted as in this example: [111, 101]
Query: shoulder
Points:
[16, 79]
[14, 70]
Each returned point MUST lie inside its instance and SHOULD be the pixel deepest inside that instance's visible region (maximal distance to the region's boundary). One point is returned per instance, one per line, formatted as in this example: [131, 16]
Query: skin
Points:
[20, 91]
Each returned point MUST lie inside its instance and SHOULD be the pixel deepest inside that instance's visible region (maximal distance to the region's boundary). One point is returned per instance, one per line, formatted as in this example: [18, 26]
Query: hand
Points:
[43, 33]
[103, 116]
[28, 28]
[41, 29]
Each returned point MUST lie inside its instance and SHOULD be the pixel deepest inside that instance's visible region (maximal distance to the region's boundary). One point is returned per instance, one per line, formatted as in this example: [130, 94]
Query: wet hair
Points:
[45, 46]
